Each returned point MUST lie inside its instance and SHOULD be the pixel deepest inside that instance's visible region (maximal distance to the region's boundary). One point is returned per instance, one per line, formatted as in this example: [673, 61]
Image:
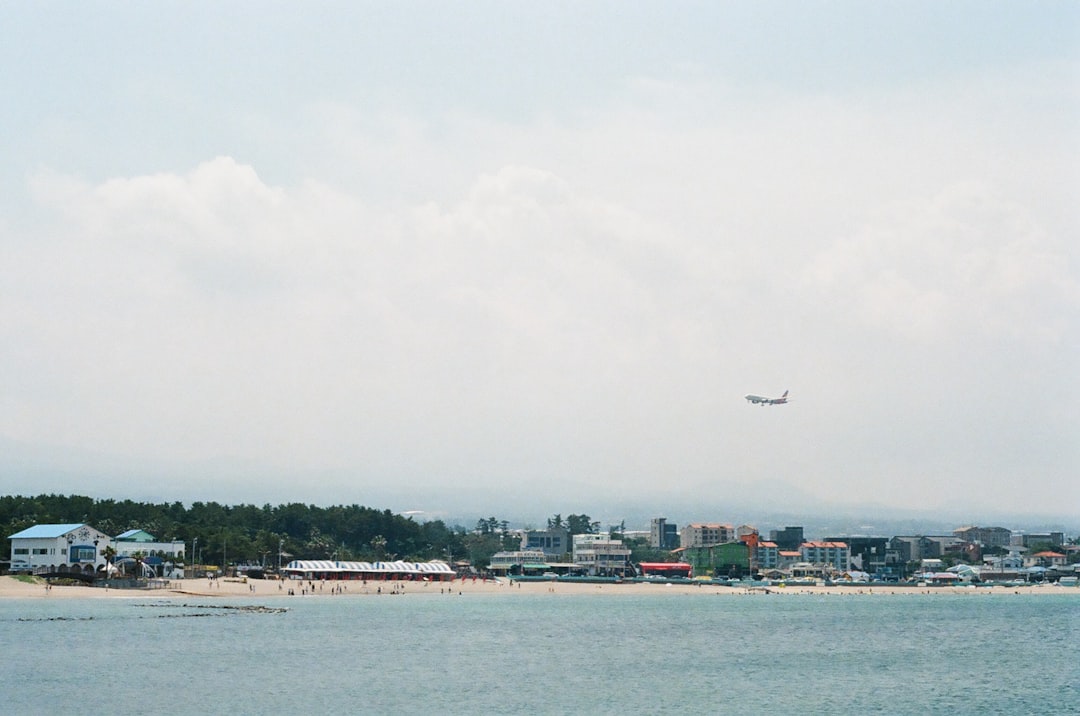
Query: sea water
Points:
[602, 653]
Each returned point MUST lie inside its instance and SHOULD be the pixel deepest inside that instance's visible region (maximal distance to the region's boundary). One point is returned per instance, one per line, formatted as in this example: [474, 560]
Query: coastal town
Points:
[718, 553]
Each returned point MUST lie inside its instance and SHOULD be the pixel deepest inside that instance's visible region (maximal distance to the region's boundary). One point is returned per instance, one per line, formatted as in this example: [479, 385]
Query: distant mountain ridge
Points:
[31, 469]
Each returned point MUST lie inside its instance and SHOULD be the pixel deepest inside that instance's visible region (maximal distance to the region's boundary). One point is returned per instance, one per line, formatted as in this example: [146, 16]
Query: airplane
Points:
[758, 400]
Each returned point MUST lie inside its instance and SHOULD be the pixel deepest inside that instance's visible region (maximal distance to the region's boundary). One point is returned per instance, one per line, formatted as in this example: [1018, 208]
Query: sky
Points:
[421, 255]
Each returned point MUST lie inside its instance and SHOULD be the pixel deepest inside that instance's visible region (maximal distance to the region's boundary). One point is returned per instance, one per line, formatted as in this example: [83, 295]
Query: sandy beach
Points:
[11, 587]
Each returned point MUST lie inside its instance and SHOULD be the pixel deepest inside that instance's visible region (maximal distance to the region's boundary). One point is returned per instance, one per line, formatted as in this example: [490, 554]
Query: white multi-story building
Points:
[706, 535]
[767, 555]
[835, 554]
[601, 555]
[59, 548]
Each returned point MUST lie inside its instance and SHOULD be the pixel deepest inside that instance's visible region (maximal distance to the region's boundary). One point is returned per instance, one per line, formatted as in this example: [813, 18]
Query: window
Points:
[41, 550]
[22, 550]
[82, 554]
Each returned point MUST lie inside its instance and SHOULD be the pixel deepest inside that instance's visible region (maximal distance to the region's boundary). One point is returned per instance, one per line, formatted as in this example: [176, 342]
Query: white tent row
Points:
[324, 566]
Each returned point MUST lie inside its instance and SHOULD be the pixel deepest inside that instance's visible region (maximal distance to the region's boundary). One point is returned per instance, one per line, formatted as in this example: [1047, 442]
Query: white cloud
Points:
[586, 295]
[964, 261]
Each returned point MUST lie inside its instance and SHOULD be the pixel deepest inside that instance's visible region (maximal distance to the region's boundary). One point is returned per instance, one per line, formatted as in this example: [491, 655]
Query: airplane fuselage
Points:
[760, 400]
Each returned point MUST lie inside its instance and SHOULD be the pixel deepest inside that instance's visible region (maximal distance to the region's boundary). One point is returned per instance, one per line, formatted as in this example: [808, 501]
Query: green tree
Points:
[140, 558]
[479, 548]
[378, 547]
[641, 551]
[582, 524]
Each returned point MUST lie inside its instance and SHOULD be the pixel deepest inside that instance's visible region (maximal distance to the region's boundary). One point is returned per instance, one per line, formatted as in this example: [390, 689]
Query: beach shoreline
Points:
[11, 587]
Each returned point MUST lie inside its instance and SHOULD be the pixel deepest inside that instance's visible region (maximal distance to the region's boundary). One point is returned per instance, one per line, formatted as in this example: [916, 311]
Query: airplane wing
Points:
[760, 400]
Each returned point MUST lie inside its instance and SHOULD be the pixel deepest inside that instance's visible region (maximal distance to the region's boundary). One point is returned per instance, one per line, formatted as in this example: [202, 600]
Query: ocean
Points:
[539, 653]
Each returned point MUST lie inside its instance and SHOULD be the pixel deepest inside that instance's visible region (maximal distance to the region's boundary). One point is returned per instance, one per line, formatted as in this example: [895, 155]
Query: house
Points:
[1045, 559]
[1012, 562]
[68, 548]
[786, 558]
[931, 565]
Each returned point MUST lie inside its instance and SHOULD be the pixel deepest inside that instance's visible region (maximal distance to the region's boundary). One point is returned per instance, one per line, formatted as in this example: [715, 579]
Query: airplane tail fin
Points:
[784, 395]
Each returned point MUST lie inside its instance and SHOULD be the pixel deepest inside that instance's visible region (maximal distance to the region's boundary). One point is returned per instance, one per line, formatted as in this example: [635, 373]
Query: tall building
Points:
[599, 554]
[986, 536]
[868, 554]
[554, 542]
[662, 534]
[787, 539]
[706, 535]
[767, 555]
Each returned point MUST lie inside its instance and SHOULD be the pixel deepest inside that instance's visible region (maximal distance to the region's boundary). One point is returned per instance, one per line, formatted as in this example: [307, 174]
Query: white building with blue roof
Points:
[134, 542]
[59, 548]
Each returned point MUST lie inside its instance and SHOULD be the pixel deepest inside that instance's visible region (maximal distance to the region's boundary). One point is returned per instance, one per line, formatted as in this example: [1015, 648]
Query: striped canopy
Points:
[398, 567]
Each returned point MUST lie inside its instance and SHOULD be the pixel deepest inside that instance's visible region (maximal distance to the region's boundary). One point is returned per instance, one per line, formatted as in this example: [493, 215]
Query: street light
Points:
[70, 553]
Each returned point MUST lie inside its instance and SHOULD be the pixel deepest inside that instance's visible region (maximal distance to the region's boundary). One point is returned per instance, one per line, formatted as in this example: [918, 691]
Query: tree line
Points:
[258, 535]
[249, 533]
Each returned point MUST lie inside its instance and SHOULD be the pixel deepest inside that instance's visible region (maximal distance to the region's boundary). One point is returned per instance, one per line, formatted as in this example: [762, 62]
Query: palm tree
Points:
[110, 555]
[138, 557]
[378, 544]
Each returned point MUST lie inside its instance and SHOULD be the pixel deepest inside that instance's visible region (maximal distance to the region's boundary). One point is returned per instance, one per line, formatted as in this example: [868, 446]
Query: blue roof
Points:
[46, 531]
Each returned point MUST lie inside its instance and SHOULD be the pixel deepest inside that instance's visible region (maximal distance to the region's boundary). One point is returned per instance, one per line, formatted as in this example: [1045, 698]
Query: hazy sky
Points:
[326, 252]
